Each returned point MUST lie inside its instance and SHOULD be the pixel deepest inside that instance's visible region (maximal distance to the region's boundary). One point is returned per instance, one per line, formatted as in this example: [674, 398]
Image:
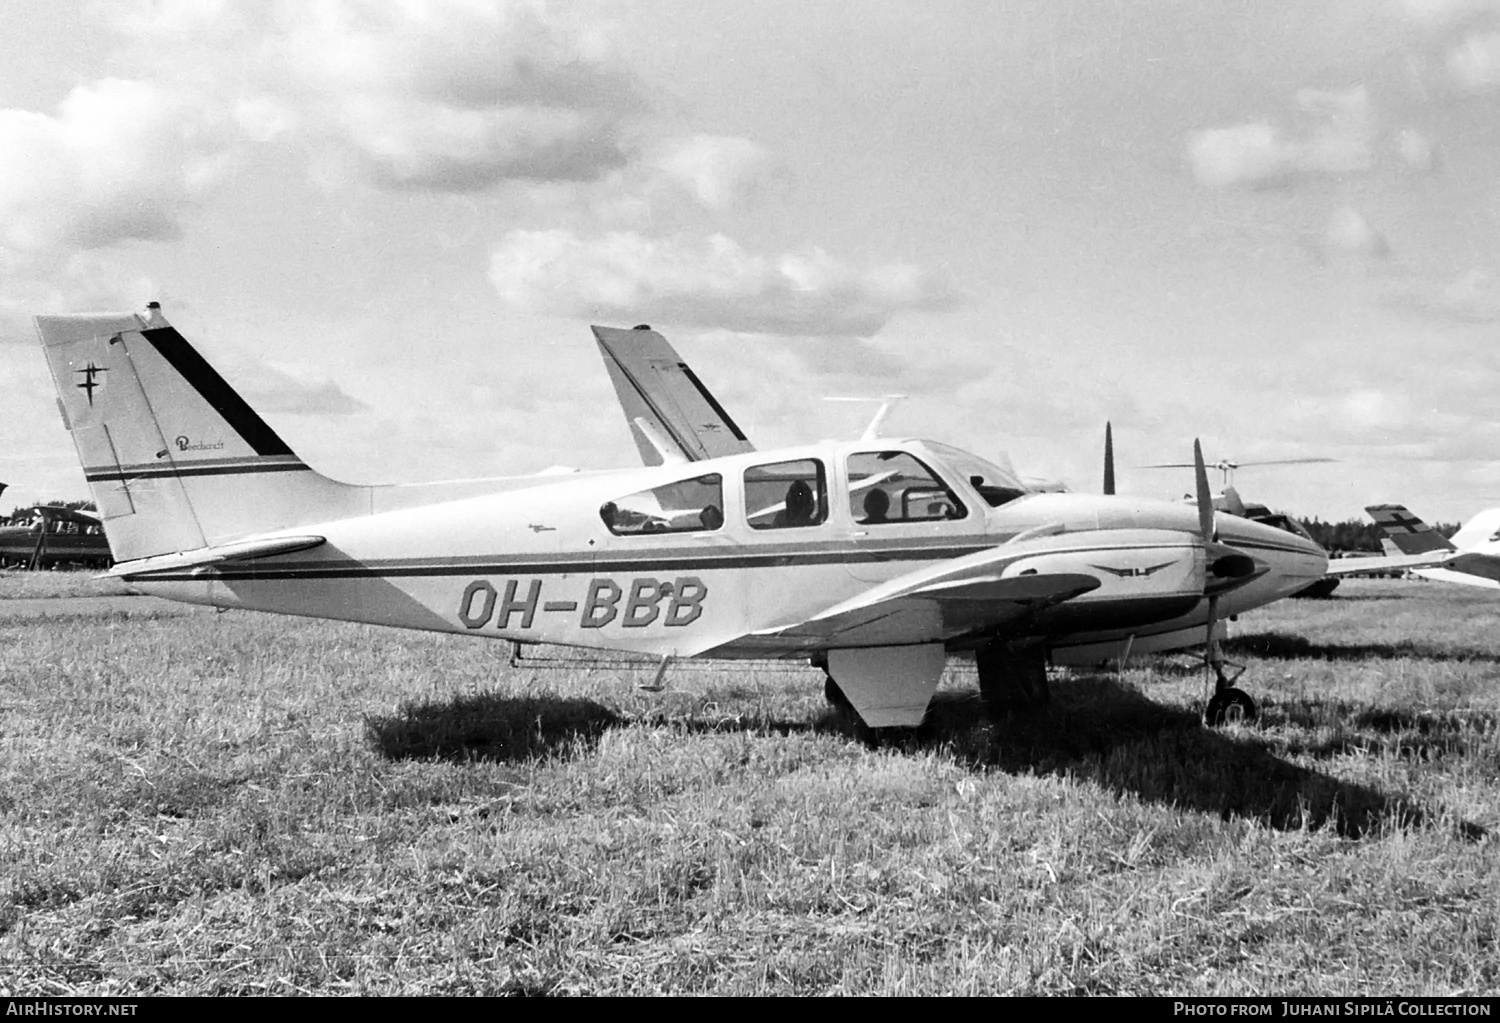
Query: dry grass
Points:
[17, 584]
[238, 803]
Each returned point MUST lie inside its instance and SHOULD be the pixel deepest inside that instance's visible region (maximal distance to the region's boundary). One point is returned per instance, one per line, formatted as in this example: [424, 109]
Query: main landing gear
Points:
[1012, 677]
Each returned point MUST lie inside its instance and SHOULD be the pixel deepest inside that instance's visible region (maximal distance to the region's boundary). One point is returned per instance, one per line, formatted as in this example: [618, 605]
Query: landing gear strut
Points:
[1012, 678]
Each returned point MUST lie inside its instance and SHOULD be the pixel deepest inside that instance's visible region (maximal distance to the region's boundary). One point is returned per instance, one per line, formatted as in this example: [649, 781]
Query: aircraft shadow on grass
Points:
[1282, 646]
[1413, 734]
[1108, 733]
[1096, 729]
[491, 727]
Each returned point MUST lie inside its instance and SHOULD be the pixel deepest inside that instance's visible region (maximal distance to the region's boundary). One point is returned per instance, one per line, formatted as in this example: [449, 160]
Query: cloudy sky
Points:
[1275, 226]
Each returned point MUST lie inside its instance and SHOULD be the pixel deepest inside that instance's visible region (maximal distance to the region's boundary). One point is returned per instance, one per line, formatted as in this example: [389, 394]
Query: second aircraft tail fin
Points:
[658, 389]
[1410, 534]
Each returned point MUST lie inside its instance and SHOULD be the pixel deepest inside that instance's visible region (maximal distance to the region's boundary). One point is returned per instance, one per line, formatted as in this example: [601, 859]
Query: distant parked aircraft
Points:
[47, 535]
[1471, 558]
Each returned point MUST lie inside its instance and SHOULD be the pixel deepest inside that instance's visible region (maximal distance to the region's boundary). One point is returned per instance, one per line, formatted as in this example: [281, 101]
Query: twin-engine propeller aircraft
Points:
[873, 559]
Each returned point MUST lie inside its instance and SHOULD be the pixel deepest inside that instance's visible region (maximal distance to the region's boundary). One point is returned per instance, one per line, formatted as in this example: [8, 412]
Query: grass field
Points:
[202, 803]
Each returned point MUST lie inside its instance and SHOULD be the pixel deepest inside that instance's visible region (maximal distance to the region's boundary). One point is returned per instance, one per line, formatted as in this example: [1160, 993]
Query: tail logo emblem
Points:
[90, 384]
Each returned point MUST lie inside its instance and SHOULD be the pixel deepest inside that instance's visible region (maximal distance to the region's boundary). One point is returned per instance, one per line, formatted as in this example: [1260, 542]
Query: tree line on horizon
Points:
[1356, 534]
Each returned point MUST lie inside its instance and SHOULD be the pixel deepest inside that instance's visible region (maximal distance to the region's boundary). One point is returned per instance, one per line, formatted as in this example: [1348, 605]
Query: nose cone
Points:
[1292, 561]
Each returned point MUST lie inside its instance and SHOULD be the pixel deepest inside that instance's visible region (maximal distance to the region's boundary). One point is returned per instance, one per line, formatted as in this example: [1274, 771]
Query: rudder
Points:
[174, 457]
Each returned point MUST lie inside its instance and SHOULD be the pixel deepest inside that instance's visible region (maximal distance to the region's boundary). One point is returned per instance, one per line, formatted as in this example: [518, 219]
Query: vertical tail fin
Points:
[1410, 534]
[175, 459]
[655, 386]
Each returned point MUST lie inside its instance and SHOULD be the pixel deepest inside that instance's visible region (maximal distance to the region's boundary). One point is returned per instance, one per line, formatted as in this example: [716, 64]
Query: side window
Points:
[785, 495]
[687, 506]
[892, 486]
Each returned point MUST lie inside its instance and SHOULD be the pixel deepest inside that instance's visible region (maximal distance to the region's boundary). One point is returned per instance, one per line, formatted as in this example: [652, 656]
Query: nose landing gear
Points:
[1228, 705]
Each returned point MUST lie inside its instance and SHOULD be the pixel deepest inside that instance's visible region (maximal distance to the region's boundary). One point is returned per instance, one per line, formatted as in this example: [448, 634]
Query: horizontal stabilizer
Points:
[245, 550]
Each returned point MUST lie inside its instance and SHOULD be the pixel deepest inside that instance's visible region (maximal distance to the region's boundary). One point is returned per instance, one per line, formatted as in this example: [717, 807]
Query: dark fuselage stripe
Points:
[188, 469]
[655, 562]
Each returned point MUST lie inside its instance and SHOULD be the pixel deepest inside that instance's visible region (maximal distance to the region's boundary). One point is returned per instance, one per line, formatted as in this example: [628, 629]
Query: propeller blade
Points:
[1109, 459]
[1205, 496]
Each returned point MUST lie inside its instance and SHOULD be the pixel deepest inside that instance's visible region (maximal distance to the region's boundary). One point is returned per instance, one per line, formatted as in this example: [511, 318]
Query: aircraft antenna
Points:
[1109, 459]
[668, 455]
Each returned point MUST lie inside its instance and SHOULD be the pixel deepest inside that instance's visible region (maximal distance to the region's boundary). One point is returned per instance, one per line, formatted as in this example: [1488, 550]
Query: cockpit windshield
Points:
[996, 485]
[1286, 522]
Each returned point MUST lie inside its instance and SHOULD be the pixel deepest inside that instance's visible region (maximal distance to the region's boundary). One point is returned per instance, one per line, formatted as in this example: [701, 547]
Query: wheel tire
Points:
[1231, 706]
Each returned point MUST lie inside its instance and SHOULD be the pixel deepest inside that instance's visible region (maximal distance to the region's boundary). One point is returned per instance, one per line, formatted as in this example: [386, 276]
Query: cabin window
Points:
[786, 495]
[892, 486]
[687, 506]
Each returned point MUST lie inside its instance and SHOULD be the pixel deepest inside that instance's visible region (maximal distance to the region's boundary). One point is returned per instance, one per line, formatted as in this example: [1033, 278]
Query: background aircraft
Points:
[1227, 466]
[47, 535]
[203, 502]
[1471, 558]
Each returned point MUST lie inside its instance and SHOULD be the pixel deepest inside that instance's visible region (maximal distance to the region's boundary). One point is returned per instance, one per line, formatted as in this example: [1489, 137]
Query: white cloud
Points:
[1332, 135]
[1439, 14]
[719, 171]
[293, 390]
[44, 283]
[1473, 297]
[443, 94]
[1474, 64]
[711, 282]
[1419, 153]
[120, 160]
[1348, 235]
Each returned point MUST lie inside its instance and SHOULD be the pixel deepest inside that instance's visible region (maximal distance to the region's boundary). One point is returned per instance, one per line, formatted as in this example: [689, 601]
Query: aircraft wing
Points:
[657, 389]
[967, 596]
[1393, 563]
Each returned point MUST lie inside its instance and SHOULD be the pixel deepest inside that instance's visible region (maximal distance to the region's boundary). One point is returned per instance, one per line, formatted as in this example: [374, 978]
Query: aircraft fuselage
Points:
[658, 561]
